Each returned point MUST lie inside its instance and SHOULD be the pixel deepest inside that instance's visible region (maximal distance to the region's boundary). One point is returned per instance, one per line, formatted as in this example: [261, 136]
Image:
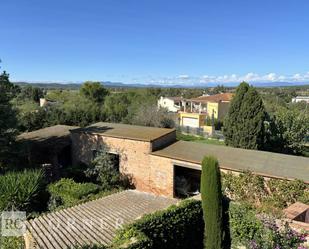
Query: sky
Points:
[155, 41]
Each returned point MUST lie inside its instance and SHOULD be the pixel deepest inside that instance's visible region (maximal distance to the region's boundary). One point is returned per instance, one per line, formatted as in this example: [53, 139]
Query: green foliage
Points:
[8, 120]
[198, 139]
[218, 124]
[30, 93]
[30, 116]
[244, 123]
[21, 190]
[12, 242]
[284, 193]
[261, 232]
[244, 225]
[116, 106]
[176, 227]
[212, 203]
[245, 187]
[67, 193]
[104, 170]
[292, 127]
[267, 195]
[94, 91]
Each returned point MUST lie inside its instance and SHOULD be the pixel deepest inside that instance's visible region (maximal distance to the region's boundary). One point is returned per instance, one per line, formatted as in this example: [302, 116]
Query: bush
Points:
[12, 242]
[66, 192]
[179, 227]
[244, 225]
[21, 190]
[103, 169]
[264, 233]
[212, 203]
[269, 195]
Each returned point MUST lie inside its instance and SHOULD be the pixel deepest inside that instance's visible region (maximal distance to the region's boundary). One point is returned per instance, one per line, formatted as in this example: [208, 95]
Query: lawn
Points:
[199, 139]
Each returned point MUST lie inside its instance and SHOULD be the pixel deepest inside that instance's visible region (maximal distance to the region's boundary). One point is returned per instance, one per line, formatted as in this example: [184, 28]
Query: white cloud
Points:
[184, 76]
[250, 77]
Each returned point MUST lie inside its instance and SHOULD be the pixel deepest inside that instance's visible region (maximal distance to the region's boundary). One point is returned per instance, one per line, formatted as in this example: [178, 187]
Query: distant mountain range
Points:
[76, 85]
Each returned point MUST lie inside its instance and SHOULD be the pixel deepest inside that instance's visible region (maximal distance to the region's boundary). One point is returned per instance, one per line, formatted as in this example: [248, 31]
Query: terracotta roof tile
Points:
[226, 97]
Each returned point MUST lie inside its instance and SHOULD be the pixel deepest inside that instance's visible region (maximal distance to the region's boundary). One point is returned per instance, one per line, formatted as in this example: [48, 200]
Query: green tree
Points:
[30, 93]
[116, 106]
[212, 203]
[244, 123]
[7, 118]
[292, 129]
[94, 91]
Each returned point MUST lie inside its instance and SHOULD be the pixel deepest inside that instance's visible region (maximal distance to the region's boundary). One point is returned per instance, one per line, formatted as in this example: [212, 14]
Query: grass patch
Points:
[199, 139]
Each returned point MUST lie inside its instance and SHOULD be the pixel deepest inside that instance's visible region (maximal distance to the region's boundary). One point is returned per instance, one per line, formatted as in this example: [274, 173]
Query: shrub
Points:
[244, 225]
[246, 186]
[261, 233]
[179, 226]
[66, 192]
[103, 169]
[12, 242]
[21, 190]
[212, 203]
[269, 195]
[284, 192]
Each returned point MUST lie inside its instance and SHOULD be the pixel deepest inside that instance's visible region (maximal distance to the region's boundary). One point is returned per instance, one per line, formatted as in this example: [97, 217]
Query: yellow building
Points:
[205, 106]
[196, 120]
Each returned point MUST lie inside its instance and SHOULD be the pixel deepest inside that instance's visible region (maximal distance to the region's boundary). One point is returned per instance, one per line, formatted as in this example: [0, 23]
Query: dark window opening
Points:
[64, 157]
[115, 160]
[95, 153]
[186, 182]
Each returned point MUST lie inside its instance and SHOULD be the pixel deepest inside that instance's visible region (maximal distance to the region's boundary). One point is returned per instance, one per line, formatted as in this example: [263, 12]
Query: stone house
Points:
[158, 163]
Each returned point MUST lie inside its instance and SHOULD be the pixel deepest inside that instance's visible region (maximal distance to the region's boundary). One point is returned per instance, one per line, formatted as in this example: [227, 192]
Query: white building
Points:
[300, 99]
[172, 104]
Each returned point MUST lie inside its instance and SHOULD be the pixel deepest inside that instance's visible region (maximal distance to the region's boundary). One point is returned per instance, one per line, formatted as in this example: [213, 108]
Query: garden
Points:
[31, 191]
[240, 211]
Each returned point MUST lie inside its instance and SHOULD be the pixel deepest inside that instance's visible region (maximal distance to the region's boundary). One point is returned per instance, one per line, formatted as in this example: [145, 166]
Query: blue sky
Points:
[155, 41]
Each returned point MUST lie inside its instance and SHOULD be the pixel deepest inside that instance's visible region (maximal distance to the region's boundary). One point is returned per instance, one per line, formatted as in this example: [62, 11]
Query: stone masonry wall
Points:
[134, 155]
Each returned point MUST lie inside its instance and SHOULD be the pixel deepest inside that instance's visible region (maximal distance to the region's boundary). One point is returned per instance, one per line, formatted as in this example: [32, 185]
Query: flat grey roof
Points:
[57, 135]
[260, 162]
[134, 132]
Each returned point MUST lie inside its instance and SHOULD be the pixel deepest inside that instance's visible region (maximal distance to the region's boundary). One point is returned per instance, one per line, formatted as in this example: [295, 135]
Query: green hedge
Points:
[179, 227]
[66, 192]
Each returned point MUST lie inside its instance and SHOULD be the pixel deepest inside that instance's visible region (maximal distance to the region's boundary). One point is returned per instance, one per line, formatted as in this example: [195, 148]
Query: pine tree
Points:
[212, 203]
[244, 123]
[7, 118]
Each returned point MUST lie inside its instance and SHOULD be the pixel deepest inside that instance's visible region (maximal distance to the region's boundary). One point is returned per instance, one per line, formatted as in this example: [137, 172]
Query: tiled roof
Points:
[214, 98]
[260, 162]
[133, 132]
[94, 222]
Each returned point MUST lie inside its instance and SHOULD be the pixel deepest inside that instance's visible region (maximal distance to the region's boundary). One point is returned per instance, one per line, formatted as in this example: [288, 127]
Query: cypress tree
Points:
[212, 203]
[244, 123]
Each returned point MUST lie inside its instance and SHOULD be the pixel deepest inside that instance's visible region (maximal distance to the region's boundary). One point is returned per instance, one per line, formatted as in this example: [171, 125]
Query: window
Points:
[94, 153]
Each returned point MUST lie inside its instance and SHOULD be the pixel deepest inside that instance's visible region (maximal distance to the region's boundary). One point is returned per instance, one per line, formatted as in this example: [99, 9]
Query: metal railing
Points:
[196, 131]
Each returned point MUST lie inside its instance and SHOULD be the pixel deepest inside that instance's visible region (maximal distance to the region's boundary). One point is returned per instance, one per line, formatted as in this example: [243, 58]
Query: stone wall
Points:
[148, 173]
